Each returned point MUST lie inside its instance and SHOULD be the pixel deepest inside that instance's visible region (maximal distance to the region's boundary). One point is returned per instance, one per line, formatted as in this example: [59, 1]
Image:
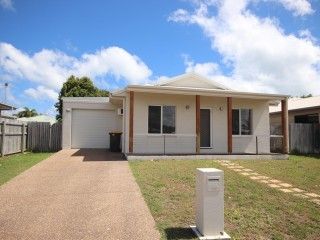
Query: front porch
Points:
[204, 125]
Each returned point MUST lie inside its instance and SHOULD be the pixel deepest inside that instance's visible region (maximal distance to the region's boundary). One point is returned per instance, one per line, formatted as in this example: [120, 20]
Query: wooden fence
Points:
[13, 138]
[305, 138]
[42, 137]
[38, 137]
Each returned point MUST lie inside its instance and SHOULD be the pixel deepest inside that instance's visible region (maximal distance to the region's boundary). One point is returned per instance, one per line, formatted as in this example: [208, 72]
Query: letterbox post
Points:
[210, 204]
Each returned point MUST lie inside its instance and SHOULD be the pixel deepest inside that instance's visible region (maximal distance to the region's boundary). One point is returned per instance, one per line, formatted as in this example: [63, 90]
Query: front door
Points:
[205, 128]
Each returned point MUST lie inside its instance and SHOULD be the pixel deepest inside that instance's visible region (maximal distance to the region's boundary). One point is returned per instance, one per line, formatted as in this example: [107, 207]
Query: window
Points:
[235, 122]
[169, 119]
[162, 119]
[154, 125]
[309, 118]
[241, 121]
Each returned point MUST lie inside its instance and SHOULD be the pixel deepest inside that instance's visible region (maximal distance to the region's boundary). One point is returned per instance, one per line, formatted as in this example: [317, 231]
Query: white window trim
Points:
[240, 134]
[161, 120]
[211, 128]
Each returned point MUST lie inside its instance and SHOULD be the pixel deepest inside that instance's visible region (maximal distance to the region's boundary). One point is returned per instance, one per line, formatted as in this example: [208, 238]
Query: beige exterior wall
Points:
[260, 127]
[219, 128]
[68, 107]
[275, 118]
[184, 141]
[181, 142]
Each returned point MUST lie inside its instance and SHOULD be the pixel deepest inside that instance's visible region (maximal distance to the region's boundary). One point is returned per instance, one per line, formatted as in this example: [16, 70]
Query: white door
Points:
[90, 128]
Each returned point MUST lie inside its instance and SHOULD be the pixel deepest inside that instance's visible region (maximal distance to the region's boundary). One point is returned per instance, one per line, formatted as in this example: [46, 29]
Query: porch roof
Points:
[198, 91]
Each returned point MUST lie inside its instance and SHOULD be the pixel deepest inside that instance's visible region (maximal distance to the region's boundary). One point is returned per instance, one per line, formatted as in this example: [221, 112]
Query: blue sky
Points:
[252, 45]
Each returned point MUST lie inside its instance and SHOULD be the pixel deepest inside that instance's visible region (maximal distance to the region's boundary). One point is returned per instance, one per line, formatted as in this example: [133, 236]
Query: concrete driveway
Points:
[75, 194]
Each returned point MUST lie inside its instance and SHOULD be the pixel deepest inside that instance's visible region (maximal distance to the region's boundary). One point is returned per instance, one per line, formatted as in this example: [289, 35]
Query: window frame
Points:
[240, 123]
[161, 120]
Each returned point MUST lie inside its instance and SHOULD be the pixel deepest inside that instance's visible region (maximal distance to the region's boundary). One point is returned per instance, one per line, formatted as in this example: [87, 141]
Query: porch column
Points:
[131, 110]
[229, 113]
[197, 124]
[285, 123]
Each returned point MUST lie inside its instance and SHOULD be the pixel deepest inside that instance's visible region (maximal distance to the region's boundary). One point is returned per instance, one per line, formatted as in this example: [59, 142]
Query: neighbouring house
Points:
[6, 107]
[304, 119]
[39, 118]
[301, 110]
[188, 114]
[6, 113]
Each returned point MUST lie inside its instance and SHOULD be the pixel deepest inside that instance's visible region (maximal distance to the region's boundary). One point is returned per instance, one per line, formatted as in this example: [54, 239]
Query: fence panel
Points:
[39, 136]
[55, 138]
[42, 137]
[304, 138]
[12, 137]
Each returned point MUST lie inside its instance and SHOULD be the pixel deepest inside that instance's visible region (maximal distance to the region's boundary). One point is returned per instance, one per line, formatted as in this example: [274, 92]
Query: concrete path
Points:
[273, 183]
[75, 194]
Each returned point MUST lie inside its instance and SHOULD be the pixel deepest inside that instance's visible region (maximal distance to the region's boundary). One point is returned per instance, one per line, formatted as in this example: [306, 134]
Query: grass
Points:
[252, 210]
[13, 165]
[301, 171]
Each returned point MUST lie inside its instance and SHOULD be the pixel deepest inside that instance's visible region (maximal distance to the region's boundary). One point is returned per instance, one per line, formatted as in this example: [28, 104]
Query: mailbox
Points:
[210, 204]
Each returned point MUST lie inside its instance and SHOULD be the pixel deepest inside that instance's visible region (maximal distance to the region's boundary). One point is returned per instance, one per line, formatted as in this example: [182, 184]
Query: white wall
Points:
[67, 117]
[184, 141]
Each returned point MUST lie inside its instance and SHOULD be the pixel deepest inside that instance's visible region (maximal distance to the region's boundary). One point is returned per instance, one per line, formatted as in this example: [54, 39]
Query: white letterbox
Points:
[210, 204]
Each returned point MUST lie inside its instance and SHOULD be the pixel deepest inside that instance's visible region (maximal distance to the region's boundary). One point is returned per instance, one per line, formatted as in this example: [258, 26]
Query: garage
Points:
[87, 122]
[90, 128]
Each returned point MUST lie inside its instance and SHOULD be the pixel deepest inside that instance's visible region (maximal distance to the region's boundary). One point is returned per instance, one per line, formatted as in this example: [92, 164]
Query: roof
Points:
[197, 81]
[39, 118]
[298, 104]
[194, 84]
[6, 107]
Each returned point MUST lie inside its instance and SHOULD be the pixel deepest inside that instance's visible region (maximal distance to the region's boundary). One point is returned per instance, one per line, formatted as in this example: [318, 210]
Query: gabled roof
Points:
[194, 84]
[298, 104]
[192, 80]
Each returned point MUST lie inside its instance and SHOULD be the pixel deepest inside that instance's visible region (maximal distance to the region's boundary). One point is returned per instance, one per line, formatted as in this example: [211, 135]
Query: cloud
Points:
[7, 4]
[298, 7]
[208, 69]
[70, 46]
[41, 93]
[52, 111]
[50, 68]
[262, 57]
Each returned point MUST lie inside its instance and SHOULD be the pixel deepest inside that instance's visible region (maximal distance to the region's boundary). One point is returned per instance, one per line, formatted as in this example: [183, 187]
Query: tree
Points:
[27, 112]
[306, 96]
[78, 87]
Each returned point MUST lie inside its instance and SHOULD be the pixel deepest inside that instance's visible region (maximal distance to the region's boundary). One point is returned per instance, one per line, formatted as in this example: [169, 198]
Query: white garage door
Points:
[90, 128]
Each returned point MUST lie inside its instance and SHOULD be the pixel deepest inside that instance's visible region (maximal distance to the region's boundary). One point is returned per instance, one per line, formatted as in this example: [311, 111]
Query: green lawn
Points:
[252, 210]
[11, 166]
[301, 171]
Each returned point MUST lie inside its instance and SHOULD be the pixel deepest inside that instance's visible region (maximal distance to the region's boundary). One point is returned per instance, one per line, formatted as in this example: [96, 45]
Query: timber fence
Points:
[304, 138]
[18, 137]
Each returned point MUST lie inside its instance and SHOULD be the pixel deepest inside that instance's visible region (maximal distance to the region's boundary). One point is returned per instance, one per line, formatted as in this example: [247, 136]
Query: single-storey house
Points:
[301, 110]
[188, 114]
